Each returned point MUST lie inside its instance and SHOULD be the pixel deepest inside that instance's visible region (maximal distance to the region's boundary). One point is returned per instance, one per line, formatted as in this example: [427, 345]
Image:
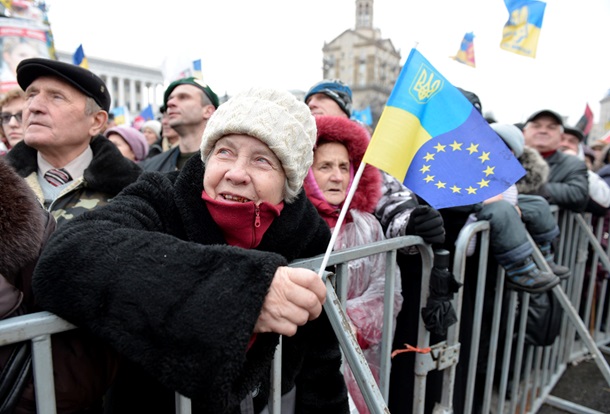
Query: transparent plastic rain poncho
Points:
[365, 291]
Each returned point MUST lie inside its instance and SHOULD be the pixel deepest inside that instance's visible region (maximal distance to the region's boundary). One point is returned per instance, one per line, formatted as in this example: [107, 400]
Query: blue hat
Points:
[336, 90]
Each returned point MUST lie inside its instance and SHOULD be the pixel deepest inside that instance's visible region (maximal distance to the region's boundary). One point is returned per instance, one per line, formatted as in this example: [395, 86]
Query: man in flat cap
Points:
[65, 160]
[188, 103]
[567, 185]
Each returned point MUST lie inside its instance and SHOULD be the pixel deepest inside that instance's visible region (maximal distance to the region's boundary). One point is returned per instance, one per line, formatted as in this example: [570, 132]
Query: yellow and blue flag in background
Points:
[432, 139]
[197, 72]
[79, 57]
[466, 53]
[363, 115]
[522, 30]
[121, 115]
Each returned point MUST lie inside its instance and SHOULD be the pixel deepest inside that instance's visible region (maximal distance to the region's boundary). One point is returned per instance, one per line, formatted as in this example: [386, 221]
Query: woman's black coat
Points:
[152, 275]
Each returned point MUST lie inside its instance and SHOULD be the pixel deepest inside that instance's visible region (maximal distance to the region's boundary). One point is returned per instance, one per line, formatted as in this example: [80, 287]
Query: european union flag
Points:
[432, 139]
[522, 30]
[466, 53]
[147, 113]
[79, 58]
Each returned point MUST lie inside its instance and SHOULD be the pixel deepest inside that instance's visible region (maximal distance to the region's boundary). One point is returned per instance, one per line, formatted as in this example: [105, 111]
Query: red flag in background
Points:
[585, 123]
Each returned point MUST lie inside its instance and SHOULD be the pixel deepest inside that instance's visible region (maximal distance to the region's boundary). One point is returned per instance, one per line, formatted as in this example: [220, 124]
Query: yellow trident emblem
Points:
[425, 85]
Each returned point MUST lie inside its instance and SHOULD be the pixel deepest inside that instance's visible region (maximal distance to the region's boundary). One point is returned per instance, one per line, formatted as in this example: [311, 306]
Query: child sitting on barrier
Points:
[339, 150]
[508, 229]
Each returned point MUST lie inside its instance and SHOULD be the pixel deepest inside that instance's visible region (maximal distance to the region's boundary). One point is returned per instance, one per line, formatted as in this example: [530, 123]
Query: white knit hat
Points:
[154, 125]
[277, 118]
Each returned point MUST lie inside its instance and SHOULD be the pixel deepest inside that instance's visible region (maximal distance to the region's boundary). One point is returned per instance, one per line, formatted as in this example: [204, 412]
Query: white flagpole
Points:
[342, 214]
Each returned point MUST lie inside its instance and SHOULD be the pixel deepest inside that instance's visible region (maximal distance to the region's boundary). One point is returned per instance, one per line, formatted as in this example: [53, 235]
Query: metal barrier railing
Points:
[517, 377]
[527, 374]
[39, 327]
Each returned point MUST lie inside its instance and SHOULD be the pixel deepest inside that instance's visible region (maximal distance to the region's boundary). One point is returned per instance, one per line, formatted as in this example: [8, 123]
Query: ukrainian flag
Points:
[522, 30]
[121, 115]
[433, 140]
[197, 72]
[364, 115]
[79, 58]
[466, 53]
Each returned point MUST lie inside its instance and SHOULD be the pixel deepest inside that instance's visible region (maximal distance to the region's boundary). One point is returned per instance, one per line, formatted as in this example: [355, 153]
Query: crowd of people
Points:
[168, 244]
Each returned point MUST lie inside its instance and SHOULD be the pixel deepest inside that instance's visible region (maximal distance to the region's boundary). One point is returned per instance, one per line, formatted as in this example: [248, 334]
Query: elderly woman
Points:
[339, 150]
[129, 141]
[185, 274]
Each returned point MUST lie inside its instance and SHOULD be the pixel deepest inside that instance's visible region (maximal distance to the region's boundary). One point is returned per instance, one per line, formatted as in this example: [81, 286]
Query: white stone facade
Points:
[129, 85]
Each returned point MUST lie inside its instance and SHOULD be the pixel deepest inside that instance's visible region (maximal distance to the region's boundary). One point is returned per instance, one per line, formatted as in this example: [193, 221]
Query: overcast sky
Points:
[279, 43]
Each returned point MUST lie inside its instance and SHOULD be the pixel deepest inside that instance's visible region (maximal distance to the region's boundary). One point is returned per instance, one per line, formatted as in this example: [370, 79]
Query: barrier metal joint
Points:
[440, 357]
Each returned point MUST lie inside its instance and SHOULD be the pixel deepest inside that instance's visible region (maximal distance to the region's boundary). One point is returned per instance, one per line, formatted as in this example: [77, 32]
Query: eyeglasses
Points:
[6, 117]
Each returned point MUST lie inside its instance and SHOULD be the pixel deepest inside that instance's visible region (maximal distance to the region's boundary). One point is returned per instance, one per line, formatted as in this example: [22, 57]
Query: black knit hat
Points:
[336, 90]
[82, 79]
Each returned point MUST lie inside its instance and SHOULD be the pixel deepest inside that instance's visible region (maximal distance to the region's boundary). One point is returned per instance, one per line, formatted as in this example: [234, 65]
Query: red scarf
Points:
[548, 153]
[242, 224]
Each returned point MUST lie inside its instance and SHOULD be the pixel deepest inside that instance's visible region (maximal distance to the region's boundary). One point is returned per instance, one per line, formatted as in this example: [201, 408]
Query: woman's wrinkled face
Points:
[331, 171]
[242, 168]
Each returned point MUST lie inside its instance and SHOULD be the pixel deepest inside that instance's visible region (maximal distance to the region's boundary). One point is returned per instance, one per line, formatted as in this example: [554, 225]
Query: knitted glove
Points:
[427, 223]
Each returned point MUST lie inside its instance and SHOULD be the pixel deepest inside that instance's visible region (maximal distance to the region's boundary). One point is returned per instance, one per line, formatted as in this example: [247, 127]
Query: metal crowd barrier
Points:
[39, 327]
[516, 378]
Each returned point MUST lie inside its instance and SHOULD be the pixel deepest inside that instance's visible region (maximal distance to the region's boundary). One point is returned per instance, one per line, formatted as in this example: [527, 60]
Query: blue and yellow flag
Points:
[432, 139]
[197, 72]
[121, 115]
[79, 58]
[522, 30]
[466, 53]
[363, 115]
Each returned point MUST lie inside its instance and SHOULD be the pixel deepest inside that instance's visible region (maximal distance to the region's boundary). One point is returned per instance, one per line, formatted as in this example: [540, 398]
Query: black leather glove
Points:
[427, 223]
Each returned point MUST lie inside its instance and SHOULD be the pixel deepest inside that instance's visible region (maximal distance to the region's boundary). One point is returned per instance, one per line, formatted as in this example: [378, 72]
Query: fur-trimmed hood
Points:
[21, 229]
[356, 139]
[537, 171]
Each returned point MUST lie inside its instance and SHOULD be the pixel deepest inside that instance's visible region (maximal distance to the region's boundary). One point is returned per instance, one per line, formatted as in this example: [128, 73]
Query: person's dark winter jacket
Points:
[567, 185]
[83, 367]
[107, 174]
[152, 274]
